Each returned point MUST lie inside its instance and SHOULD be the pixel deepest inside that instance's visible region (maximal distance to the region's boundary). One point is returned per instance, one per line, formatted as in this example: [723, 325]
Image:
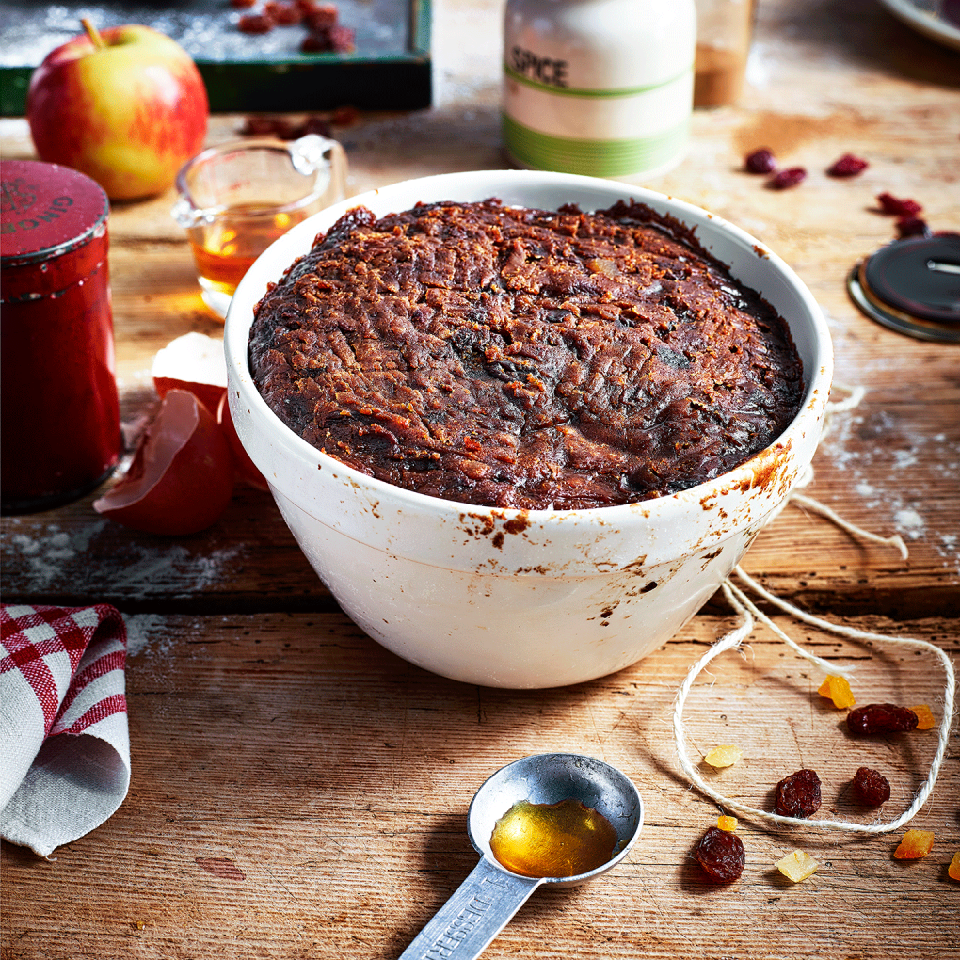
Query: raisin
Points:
[760, 161]
[847, 166]
[872, 789]
[890, 205]
[721, 855]
[880, 718]
[798, 795]
[788, 178]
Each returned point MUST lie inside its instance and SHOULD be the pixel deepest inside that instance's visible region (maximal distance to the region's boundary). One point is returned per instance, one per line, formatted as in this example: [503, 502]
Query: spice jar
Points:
[598, 87]
[724, 30]
[58, 392]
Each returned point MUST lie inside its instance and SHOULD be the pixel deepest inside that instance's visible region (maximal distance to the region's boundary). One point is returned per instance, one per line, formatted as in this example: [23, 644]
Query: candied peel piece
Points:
[915, 844]
[727, 823]
[953, 871]
[797, 866]
[925, 718]
[838, 690]
[724, 755]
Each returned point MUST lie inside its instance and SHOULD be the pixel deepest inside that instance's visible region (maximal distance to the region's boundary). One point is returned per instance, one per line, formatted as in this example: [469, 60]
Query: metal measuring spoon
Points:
[487, 900]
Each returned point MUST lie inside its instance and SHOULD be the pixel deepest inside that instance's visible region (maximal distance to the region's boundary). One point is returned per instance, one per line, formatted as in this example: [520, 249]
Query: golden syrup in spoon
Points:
[553, 840]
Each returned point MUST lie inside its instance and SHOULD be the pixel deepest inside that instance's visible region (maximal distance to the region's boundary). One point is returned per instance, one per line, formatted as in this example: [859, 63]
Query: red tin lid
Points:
[46, 210]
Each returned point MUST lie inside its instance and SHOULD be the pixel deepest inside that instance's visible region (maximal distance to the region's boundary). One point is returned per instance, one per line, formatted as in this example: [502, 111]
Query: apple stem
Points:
[93, 33]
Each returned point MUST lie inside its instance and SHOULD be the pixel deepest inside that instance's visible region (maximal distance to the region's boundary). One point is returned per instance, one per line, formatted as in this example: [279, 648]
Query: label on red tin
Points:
[46, 210]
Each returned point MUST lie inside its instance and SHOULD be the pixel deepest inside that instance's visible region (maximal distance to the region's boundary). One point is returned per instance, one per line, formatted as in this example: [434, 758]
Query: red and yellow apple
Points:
[127, 107]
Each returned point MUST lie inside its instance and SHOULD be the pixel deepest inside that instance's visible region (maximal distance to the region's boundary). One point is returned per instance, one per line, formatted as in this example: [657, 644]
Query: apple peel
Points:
[181, 478]
[246, 469]
[193, 362]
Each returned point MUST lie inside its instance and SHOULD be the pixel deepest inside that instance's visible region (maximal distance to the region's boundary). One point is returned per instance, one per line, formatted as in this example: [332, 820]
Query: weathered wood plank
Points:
[298, 791]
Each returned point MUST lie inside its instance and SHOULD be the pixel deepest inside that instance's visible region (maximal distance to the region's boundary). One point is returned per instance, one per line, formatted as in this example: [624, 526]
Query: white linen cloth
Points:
[64, 740]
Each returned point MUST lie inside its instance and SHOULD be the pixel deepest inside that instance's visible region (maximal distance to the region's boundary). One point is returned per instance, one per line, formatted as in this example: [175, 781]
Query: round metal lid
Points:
[46, 210]
[912, 286]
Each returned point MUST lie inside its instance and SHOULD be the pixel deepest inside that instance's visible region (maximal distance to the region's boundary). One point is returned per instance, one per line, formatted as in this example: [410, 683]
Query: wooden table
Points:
[299, 792]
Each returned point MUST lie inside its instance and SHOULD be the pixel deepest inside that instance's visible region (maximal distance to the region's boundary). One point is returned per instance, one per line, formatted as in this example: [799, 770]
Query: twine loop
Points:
[749, 615]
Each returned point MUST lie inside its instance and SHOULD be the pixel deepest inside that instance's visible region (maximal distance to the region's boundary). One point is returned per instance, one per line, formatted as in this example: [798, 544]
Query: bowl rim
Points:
[298, 240]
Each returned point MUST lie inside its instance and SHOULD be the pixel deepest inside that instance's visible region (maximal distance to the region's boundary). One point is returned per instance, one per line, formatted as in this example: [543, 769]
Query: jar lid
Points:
[46, 210]
[912, 286]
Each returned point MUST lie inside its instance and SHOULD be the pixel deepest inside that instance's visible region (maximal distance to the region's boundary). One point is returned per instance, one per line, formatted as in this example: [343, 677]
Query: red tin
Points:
[58, 391]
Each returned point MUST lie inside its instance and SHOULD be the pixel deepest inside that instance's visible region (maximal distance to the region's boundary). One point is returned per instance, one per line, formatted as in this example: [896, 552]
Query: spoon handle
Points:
[479, 909]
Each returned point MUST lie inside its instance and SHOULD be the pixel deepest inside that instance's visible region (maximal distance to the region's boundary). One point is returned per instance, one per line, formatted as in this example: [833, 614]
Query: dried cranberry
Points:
[283, 14]
[344, 116]
[847, 166]
[894, 207]
[255, 23]
[243, 4]
[872, 789]
[315, 43]
[313, 124]
[760, 161]
[257, 125]
[798, 795]
[880, 718]
[912, 227]
[721, 854]
[788, 178]
[330, 39]
[343, 39]
[325, 15]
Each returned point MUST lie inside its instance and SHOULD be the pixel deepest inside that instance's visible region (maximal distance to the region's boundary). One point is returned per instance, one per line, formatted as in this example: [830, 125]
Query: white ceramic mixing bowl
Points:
[514, 598]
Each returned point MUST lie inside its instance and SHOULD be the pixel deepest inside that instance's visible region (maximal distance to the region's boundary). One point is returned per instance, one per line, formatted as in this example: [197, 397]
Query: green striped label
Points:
[616, 157]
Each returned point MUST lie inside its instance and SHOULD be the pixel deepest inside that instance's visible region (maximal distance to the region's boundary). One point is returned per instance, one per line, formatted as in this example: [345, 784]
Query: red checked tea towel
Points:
[64, 742]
